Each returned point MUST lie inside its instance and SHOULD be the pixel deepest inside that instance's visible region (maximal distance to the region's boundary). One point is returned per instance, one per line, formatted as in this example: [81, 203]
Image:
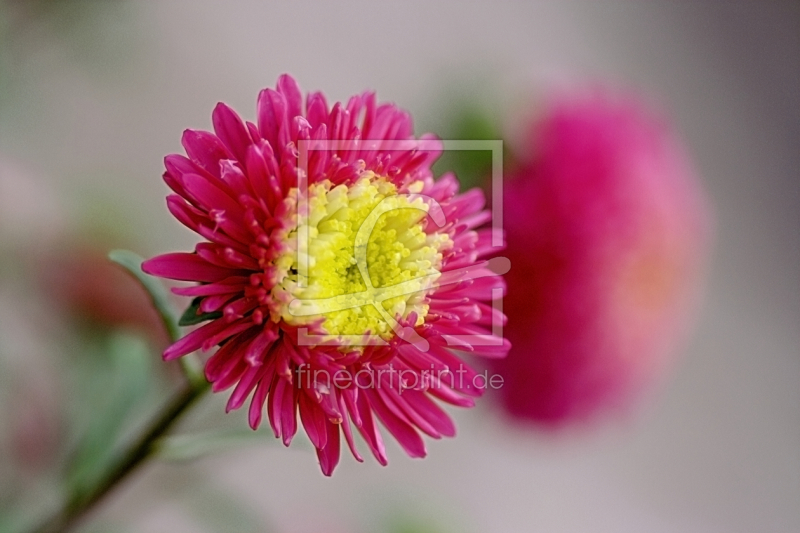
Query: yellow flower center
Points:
[360, 259]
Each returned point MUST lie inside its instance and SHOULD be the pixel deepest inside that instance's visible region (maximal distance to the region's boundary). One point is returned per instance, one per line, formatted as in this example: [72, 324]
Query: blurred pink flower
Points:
[78, 276]
[239, 189]
[607, 234]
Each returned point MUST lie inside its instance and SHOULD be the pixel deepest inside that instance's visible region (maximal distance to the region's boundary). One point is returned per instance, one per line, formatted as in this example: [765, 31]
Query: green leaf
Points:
[192, 316]
[470, 122]
[161, 301]
[128, 378]
[12, 521]
[194, 446]
[158, 293]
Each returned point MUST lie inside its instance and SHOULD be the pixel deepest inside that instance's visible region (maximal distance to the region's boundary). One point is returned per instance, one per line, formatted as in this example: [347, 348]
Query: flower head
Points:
[607, 230]
[336, 275]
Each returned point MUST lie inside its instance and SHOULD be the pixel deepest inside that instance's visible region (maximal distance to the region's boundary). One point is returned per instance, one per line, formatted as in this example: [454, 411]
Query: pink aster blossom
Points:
[607, 232]
[239, 188]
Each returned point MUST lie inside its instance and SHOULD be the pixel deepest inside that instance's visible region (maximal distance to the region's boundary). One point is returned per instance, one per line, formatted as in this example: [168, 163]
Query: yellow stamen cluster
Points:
[351, 231]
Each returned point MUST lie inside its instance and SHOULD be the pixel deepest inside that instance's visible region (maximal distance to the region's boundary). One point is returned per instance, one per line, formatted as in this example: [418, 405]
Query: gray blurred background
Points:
[94, 94]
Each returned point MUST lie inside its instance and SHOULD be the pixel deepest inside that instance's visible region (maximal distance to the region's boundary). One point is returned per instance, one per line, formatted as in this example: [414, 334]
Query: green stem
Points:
[137, 454]
[129, 461]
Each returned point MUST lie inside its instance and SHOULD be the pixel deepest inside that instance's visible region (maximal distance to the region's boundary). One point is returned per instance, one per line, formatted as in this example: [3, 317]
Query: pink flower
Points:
[280, 280]
[607, 234]
[85, 285]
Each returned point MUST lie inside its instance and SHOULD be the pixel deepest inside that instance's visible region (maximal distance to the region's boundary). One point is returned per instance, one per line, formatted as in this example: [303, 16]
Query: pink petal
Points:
[257, 404]
[288, 87]
[395, 401]
[205, 149]
[230, 285]
[406, 435]
[185, 267]
[221, 363]
[313, 420]
[271, 110]
[369, 431]
[289, 414]
[187, 215]
[231, 131]
[432, 413]
[243, 389]
[329, 455]
[348, 431]
[317, 109]
[211, 196]
[274, 404]
[194, 340]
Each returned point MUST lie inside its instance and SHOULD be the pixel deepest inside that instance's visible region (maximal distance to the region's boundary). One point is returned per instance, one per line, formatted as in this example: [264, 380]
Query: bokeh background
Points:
[94, 94]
